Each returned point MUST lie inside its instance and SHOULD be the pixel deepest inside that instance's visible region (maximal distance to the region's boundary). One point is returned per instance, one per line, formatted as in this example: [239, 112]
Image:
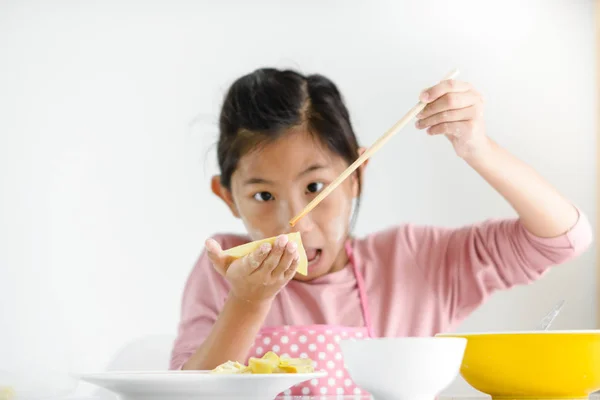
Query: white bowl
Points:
[196, 385]
[403, 368]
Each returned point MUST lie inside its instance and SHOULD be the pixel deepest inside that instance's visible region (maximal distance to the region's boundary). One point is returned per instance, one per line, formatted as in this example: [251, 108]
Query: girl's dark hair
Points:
[261, 106]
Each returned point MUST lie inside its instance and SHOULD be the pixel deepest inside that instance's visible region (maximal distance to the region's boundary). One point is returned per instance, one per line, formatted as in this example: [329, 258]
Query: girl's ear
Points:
[224, 194]
[359, 172]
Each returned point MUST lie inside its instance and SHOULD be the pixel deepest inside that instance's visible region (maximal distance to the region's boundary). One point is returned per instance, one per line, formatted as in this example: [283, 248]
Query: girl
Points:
[285, 136]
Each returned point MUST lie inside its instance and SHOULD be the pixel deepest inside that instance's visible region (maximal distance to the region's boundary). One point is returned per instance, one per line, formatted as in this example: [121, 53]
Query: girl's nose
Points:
[305, 224]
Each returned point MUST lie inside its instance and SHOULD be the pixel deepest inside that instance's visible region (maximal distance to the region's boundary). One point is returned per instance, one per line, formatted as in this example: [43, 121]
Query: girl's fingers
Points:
[216, 256]
[455, 129]
[450, 101]
[448, 86]
[287, 258]
[254, 260]
[462, 114]
[272, 260]
[212, 247]
[291, 271]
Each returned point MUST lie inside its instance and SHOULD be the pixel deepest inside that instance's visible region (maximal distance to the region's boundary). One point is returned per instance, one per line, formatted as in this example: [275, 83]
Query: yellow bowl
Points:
[532, 365]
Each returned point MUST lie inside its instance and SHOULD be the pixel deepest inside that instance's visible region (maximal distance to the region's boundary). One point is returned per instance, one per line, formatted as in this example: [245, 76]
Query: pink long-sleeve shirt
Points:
[419, 280]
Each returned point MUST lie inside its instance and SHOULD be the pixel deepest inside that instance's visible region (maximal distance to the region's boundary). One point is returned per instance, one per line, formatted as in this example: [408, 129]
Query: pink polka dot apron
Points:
[320, 343]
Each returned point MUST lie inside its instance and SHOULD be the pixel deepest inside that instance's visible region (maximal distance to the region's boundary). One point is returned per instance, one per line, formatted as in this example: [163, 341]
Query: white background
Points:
[108, 117]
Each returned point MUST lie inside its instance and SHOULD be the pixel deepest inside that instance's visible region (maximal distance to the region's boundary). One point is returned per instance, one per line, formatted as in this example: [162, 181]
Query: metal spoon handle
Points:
[549, 318]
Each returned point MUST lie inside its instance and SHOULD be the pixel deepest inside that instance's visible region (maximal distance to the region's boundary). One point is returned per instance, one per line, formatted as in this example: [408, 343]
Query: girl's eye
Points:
[263, 196]
[315, 187]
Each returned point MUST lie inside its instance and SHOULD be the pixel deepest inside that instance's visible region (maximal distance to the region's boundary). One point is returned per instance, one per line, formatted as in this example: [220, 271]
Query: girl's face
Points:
[273, 184]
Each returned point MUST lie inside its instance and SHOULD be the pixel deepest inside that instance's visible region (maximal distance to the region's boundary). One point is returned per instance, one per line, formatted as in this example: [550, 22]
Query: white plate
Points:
[187, 385]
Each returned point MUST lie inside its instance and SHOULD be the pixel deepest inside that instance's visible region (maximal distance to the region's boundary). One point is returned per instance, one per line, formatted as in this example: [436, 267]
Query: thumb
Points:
[216, 256]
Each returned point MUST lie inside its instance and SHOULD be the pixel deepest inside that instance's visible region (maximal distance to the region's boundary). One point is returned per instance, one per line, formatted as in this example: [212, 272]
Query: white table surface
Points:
[442, 397]
[595, 396]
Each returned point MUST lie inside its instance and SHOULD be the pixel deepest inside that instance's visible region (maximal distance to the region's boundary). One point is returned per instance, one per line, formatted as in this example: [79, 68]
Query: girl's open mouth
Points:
[313, 256]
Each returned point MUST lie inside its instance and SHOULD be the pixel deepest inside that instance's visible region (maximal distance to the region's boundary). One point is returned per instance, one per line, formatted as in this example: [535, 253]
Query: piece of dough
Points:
[7, 393]
[270, 363]
[241, 251]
